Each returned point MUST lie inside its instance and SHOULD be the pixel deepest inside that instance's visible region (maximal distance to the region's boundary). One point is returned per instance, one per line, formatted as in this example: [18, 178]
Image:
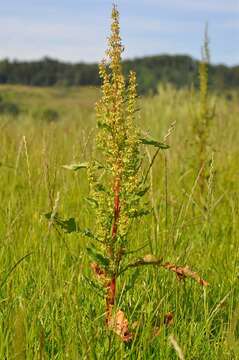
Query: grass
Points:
[48, 310]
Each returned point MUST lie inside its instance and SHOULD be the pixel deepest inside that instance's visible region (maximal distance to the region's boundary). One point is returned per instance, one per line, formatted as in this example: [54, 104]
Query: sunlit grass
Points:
[46, 303]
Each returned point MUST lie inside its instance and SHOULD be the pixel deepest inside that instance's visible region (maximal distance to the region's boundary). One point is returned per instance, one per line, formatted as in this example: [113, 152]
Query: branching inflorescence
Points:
[117, 185]
[117, 192]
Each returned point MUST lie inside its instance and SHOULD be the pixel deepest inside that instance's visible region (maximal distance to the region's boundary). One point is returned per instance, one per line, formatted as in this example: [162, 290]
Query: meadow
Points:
[49, 309]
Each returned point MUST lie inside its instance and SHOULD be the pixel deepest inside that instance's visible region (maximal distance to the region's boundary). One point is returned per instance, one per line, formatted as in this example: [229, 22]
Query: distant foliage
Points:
[179, 70]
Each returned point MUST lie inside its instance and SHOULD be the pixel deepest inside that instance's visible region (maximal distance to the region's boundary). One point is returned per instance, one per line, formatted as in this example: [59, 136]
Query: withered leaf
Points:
[168, 319]
[184, 272]
[99, 273]
[118, 323]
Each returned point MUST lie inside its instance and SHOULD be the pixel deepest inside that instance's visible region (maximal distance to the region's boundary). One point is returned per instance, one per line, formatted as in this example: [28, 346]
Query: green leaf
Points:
[154, 143]
[98, 257]
[76, 167]
[68, 225]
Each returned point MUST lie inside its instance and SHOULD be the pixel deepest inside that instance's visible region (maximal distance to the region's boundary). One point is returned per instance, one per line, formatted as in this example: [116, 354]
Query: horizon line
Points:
[72, 62]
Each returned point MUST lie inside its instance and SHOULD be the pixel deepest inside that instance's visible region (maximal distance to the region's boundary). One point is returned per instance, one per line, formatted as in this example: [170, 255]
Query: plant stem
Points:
[116, 207]
[111, 287]
[110, 298]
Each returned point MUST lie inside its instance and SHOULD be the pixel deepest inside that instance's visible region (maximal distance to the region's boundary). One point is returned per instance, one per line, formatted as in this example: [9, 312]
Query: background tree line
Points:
[179, 70]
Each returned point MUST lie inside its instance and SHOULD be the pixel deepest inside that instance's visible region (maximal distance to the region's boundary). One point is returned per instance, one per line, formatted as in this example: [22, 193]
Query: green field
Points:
[48, 308]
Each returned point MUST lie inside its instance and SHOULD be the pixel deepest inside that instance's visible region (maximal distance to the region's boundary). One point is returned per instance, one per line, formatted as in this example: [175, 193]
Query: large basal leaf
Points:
[154, 143]
[76, 167]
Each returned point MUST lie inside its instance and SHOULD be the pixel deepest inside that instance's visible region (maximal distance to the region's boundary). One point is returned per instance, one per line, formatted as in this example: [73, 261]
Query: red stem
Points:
[111, 286]
[116, 207]
[110, 299]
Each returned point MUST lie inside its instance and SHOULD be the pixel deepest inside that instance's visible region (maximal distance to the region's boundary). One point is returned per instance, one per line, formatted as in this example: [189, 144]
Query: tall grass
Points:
[62, 314]
[49, 309]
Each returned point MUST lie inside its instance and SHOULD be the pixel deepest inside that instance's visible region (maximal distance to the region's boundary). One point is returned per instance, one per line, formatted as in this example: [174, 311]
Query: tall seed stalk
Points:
[205, 116]
[118, 184]
[117, 192]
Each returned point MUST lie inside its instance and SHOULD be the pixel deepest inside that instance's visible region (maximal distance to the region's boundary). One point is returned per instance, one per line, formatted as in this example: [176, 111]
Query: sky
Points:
[77, 30]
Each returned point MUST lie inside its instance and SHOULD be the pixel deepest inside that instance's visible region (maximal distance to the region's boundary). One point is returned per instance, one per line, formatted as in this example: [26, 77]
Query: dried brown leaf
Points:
[168, 319]
[184, 272]
[99, 273]
[119, 325]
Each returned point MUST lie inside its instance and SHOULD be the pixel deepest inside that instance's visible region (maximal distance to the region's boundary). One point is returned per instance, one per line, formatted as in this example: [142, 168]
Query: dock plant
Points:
[118, 186]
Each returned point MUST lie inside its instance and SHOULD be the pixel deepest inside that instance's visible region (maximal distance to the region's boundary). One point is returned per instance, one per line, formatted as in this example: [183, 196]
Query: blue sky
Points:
[76, 30]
